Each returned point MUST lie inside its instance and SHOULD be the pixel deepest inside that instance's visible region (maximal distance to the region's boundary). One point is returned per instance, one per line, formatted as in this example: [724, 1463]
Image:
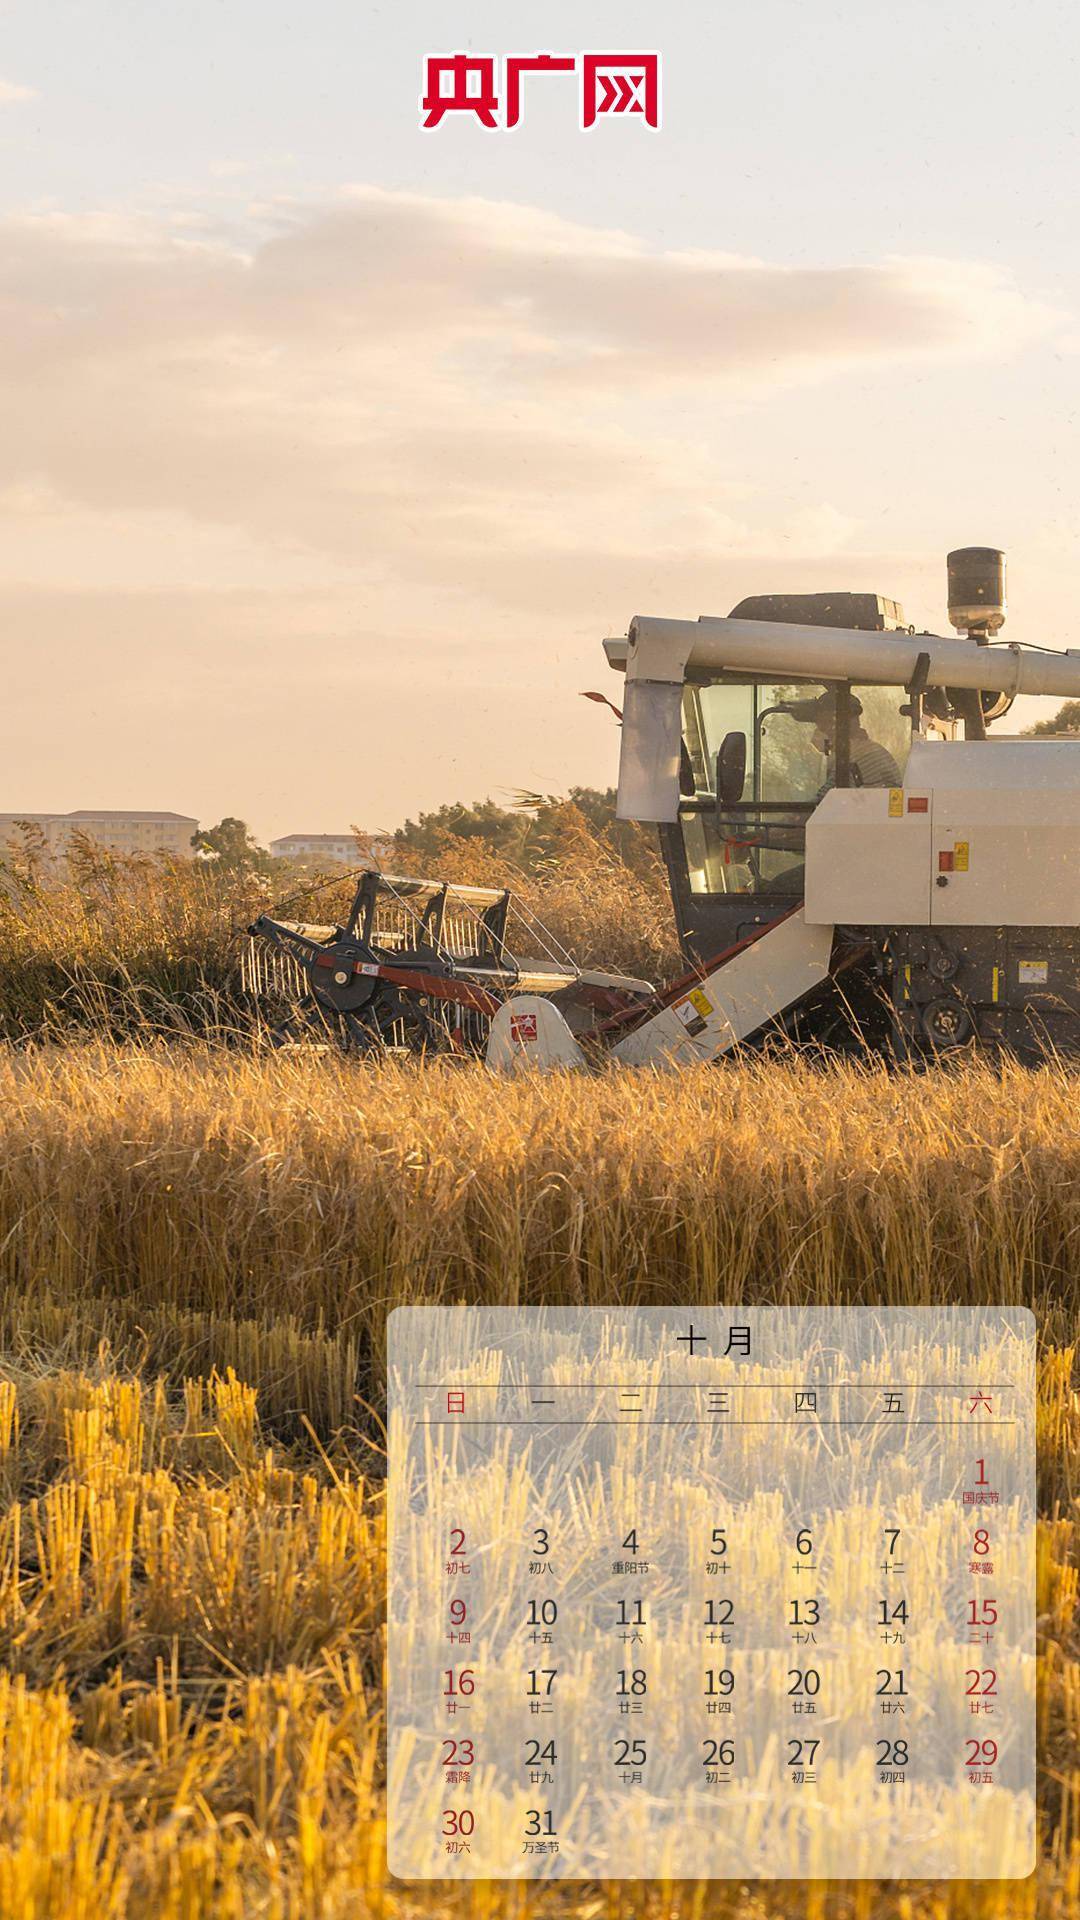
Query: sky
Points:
[333, 446]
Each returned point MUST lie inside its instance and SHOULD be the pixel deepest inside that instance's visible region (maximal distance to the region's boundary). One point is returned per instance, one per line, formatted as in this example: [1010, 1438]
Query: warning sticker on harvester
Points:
[694, 1010]
[960, 857]
[1033, 973]
[896, 803]
[523, 1027]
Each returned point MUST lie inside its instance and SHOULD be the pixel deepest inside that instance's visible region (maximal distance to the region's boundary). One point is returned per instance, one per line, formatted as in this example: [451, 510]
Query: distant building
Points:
[317, 846]
[120, 832]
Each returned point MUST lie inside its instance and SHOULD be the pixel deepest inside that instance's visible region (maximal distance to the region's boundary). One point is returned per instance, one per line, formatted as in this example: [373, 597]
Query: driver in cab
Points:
[872, 765]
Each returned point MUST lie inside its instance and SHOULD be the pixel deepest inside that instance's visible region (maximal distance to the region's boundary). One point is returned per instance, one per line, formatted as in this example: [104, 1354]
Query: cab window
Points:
[790, 766]
[758, 845]
[782, 762]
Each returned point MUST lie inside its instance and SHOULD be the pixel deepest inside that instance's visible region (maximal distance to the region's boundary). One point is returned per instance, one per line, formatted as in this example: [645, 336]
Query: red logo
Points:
[457, 83]
[626, 84]
[523, 1027]
[621, 83]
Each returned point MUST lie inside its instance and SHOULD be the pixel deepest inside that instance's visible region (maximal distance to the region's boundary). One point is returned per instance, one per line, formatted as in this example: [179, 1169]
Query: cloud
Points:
[414, 456]
[397, 388]
[11, 94]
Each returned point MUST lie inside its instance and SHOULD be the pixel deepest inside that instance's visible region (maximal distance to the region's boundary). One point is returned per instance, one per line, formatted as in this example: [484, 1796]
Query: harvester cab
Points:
[850, 857]
[757, 753]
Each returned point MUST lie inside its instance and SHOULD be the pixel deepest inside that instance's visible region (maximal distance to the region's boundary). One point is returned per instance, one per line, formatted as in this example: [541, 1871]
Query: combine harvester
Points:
[851, 860]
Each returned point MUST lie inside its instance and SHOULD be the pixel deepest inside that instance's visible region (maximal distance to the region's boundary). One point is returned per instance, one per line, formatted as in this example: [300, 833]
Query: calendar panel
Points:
[709, 1593]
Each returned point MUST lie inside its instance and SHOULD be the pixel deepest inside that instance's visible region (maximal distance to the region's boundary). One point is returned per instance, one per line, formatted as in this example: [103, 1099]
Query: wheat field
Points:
[198, 1250]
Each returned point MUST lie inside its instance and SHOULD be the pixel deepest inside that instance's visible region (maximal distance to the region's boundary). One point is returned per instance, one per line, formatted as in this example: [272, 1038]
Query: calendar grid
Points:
[654, 1641]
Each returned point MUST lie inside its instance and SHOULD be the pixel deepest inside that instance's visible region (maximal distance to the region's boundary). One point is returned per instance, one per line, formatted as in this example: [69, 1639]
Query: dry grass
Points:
[133, 947]
[120, 945]
[191, 1572]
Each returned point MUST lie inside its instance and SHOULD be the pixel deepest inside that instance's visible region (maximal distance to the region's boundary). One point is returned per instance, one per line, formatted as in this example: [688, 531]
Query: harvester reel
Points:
[420, 967]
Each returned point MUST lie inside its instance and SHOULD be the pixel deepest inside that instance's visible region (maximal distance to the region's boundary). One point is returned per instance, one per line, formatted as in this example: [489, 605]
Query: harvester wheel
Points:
[947, 1023]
